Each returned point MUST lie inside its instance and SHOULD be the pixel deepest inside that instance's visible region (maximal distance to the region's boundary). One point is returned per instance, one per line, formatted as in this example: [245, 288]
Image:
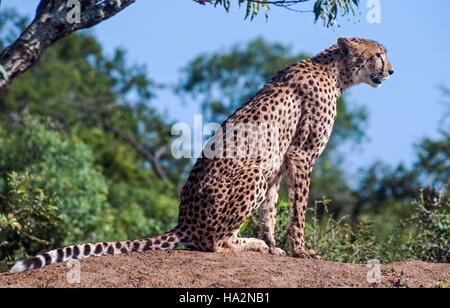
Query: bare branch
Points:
[142, 151]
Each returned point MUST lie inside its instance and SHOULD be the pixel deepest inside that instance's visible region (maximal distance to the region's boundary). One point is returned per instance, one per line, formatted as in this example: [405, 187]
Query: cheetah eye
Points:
[379, 55]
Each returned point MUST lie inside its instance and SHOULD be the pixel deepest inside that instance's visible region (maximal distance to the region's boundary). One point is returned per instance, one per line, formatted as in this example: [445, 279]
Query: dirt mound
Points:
[204, 270]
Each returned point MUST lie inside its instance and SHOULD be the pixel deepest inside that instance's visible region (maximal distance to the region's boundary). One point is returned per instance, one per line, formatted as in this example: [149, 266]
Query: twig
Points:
[152, 159]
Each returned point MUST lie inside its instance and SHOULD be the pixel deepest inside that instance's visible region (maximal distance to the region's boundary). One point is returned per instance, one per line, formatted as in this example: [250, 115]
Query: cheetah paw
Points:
[307, 254]
[277, 251]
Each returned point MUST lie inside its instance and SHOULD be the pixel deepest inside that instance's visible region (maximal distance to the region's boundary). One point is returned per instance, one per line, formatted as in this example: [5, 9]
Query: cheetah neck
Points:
[339, 70]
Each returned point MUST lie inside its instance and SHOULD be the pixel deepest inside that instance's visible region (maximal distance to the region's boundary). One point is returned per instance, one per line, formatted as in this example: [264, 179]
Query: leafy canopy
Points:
[326, 10]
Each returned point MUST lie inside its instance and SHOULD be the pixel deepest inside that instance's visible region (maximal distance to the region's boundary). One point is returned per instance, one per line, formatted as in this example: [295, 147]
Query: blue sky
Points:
[165, 35]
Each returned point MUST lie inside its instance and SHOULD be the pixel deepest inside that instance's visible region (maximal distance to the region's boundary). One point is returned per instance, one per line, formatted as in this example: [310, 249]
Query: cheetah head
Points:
[365, 60]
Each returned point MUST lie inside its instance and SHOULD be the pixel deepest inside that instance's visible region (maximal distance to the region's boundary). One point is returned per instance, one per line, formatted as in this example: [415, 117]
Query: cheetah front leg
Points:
[300, 166]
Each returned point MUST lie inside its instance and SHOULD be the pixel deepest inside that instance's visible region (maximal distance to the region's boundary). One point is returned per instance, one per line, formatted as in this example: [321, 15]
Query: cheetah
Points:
[223, 191]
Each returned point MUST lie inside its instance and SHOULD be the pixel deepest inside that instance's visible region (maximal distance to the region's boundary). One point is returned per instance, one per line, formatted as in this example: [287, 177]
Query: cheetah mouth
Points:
[377, 80]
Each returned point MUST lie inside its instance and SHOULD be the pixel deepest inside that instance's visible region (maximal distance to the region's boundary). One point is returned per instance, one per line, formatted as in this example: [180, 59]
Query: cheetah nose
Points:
[391, 72]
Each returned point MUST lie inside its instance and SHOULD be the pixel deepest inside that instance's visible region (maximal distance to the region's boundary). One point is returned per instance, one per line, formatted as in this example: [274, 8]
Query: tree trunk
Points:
[54, 20]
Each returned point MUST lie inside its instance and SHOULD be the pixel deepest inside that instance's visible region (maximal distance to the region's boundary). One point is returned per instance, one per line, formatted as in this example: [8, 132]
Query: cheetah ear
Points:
[345, 46]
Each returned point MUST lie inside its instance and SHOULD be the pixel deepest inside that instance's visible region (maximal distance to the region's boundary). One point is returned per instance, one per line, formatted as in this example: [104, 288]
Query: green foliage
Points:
[383, 188]
[326, 10]
[431, 241]
[88, 93]
[74, 83]
[27, 217]
[102, 188]
[142, 204]
[433, 159]
[63, 167]
[422, 236]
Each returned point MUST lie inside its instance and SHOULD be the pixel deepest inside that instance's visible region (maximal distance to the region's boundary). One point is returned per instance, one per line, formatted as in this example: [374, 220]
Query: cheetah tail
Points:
[169, 240]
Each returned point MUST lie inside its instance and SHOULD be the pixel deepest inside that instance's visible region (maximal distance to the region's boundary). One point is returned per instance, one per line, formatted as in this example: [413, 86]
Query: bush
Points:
[423, 236]
[28, 219]
[62, 166]
[431, 241]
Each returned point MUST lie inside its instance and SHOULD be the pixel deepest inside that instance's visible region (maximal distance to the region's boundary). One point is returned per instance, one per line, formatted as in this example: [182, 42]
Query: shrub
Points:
[62, 166]
[431, 219]
[423, 236]
[28, 219]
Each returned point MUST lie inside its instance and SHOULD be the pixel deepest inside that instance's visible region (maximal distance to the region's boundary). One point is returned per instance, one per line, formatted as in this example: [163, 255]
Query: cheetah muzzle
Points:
[225, 189]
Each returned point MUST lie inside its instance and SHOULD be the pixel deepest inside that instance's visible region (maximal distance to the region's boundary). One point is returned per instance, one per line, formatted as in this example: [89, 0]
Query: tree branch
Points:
[142, 151]
[52, 23]
[260, 1]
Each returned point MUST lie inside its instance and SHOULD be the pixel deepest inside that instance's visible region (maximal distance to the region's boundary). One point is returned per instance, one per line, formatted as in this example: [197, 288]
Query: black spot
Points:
[123, 250]
[110, 250]
[87, 250]
[157, 242]
[98, 249]
[164, 237]
[165, 245]
[147, 245]
[135, 246]
[76, 252]
[118, 245]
